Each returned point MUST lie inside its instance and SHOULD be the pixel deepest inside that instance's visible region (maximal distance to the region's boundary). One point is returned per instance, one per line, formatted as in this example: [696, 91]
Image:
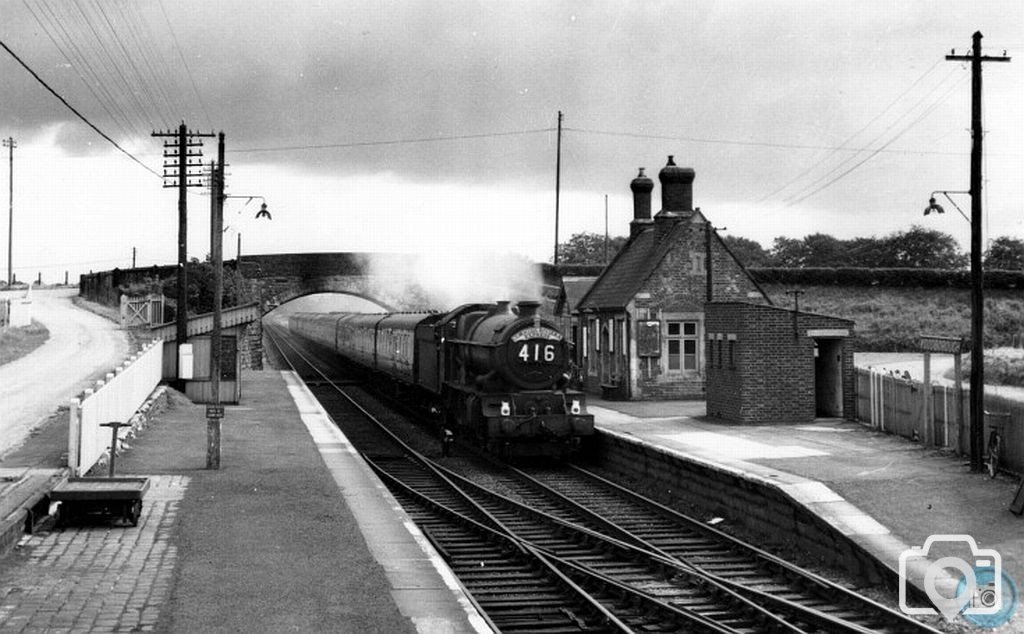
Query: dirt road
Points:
[82, 347]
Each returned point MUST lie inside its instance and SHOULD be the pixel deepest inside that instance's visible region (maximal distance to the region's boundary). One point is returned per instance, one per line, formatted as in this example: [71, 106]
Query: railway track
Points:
[565, 550]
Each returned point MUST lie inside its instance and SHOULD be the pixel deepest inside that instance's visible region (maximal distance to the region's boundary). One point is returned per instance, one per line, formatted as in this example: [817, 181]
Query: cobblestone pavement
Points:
[95, 578]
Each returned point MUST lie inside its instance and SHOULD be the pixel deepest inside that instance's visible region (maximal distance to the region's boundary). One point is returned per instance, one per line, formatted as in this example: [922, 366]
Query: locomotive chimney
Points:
[676, 187]
[641, 186]
[528, 308]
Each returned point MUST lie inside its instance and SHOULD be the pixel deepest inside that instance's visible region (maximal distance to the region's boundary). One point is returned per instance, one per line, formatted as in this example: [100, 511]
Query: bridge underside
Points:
[393, 281]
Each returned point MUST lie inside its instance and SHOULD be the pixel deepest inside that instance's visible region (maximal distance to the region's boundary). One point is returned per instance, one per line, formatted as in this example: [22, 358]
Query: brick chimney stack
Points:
[676, 187]
[642, 187]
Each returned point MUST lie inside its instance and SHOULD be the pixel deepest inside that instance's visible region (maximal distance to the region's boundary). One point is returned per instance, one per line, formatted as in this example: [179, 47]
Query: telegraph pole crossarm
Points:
[180, 149]
[977, 405]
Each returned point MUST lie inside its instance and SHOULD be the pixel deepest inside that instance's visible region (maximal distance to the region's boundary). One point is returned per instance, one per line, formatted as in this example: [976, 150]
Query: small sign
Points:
[215, 411]
[942, 345]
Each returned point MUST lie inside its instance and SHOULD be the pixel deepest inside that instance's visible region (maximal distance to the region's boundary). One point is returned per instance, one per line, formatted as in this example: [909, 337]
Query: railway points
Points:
[262, 493]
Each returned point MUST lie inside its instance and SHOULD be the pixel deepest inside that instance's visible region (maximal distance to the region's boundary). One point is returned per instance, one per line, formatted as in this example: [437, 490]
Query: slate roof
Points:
[624, 276]
[576, 288]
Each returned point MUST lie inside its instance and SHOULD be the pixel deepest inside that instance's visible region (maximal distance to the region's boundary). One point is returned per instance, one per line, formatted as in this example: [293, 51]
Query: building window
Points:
[682, 345]
[732, 354]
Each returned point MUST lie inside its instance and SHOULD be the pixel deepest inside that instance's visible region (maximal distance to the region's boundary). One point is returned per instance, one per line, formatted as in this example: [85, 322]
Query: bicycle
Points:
[995, 445]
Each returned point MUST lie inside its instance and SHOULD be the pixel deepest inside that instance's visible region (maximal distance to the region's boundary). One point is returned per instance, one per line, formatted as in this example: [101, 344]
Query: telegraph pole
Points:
[11, 144]
[215, 413]
[558, 179]
[183, 154]
[977, 405]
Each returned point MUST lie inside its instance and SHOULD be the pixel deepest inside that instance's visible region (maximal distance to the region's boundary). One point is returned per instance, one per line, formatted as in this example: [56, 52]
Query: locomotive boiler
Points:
[495, 373]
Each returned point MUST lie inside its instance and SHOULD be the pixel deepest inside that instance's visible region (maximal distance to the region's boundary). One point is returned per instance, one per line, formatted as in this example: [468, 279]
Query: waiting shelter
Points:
[767, 364]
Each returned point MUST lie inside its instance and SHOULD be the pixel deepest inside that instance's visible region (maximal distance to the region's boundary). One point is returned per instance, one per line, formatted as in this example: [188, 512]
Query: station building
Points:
[642, 322]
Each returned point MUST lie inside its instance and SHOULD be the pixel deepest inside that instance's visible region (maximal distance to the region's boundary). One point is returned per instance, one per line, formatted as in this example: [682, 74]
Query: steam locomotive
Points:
[491, 372]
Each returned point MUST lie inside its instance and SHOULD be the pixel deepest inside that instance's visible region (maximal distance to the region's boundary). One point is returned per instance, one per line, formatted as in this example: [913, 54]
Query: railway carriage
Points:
[492, 372]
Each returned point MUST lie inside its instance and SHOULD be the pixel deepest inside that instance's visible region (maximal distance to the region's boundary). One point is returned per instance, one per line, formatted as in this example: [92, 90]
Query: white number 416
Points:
[545, 353]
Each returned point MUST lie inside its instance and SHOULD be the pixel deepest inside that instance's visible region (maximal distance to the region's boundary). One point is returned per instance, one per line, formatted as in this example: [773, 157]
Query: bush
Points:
[1003, 366]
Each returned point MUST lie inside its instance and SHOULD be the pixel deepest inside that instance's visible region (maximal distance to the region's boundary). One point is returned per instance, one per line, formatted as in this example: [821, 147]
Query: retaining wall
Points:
[761, 507]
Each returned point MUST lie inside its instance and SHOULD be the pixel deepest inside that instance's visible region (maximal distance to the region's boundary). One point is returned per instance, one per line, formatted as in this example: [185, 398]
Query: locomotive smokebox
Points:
[676, 186]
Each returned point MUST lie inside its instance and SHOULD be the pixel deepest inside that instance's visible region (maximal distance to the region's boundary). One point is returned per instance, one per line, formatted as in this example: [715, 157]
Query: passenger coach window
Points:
[682, 345]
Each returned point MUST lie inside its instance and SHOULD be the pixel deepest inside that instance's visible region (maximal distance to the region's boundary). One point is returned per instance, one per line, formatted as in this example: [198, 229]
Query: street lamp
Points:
[937, 208]
[262, 213]
[977, 404]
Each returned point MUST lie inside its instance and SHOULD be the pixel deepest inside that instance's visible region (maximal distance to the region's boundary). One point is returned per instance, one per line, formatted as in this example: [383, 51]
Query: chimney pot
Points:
[642, 187]
[676, 186]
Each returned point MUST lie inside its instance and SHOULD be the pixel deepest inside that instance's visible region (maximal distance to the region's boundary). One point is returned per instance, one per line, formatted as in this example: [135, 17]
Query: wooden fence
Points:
[115, 398]
[896, 406]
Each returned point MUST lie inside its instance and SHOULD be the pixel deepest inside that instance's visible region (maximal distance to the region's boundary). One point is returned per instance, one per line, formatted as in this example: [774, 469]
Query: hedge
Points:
[893, 277]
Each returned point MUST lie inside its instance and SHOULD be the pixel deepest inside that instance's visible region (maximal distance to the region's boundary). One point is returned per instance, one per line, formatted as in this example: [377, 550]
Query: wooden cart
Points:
[100, 498]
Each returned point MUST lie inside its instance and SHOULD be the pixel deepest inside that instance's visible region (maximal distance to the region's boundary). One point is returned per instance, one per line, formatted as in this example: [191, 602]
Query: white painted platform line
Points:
[410, 562]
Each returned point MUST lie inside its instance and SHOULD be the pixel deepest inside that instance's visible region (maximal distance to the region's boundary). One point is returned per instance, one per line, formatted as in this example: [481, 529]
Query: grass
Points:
[893, 319]
[1003, 366]
[18, 342]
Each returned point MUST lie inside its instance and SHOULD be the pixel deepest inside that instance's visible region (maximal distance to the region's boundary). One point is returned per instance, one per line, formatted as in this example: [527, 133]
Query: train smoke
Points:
[443, 281]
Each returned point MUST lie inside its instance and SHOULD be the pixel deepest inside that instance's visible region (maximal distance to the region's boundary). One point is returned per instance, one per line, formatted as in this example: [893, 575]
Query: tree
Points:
[588, 248]
[1005, 253]
[788, 252]
[748, 252]
[824, 250]
[922, 248]
[200, 287]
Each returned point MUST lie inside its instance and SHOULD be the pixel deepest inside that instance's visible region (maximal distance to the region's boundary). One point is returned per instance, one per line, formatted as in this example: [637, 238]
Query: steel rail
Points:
[421, 460]
[552, 564]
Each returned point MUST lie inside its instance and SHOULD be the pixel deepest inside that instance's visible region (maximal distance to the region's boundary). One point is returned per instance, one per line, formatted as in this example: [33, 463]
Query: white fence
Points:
[116, 398]
[16, 312]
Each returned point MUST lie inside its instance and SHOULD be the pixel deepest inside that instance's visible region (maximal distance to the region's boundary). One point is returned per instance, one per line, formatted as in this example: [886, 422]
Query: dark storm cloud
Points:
[276, 75]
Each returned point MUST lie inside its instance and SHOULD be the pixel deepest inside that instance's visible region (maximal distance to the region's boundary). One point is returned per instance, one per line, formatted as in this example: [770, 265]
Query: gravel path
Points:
[82, 347]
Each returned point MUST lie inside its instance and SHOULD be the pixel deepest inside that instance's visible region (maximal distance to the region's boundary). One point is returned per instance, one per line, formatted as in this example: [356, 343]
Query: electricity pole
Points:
[215, 413]
[11, 144]
[558, 179]
[182, 160]
[977, 405]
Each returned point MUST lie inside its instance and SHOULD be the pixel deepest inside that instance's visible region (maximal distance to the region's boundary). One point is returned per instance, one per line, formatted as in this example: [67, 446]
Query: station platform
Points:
[292, 534]
[884, 492]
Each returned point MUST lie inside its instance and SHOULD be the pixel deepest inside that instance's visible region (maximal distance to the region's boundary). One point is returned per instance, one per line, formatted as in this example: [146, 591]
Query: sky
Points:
[430, 127]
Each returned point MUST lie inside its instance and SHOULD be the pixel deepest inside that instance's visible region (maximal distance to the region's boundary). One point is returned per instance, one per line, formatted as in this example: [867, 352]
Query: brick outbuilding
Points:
[642, 321]
[774, 365]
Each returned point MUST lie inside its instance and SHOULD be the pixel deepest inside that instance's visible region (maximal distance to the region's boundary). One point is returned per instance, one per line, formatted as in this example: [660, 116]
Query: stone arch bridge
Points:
[394, 281]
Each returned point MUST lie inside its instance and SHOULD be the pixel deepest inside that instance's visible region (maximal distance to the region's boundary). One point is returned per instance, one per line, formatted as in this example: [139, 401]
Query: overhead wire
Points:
[850, 138]
[453, 137]
[768, 144]
[184, 63]
[141, 33]
[75, 59]
[157, 103]
[74, 110]
[131, 95]
[876, 152]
